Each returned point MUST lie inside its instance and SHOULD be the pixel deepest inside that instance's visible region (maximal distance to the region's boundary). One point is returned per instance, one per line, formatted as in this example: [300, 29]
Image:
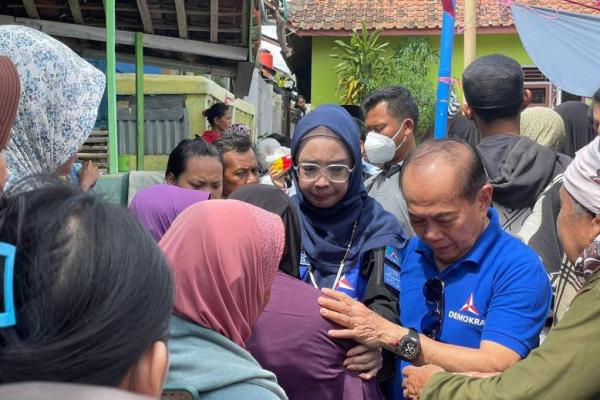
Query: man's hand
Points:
[360, 323]
[88, 175]
[415, 379]
[363, 358]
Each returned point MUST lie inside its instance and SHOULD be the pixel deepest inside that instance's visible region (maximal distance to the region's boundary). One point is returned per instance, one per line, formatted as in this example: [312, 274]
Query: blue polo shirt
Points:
[499, 292]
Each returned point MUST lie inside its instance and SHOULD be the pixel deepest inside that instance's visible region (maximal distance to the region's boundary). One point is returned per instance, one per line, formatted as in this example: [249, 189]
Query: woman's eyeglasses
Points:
[336, 173]
[431, 324]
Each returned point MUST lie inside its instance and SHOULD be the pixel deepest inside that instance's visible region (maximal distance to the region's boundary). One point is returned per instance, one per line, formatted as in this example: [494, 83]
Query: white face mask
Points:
[380, 148]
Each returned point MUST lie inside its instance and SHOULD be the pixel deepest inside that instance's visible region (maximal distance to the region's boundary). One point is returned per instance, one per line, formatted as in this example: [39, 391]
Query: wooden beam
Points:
[145, 16]
[158, 42]
[181, 19]
[76, 11]
[31, 9]
[245, 22]
[214, 21]
[164, 63]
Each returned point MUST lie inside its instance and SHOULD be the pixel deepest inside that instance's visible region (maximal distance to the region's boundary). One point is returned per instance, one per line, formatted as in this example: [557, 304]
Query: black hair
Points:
[362, 131]
[186, 149]
[92, 290]
[217, 110]
[472, 170]
[300, 96]
[236, 143]
[493, 114]
[283, 140]
[596, 96]
[400, 103]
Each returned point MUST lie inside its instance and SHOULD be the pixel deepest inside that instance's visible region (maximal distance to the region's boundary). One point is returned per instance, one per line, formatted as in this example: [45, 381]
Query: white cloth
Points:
[582, 177]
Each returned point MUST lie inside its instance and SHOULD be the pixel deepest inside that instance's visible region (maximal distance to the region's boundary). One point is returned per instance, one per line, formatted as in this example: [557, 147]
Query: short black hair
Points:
[471, 168]
[235, 142]
[186, 149]
[494, 114]
[217, 110]
[400, 103]
[362, 131]
[596, 96]
[92, 290]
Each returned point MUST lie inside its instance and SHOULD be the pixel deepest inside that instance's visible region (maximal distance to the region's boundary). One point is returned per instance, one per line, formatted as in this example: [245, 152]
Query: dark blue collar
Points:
[479, 250]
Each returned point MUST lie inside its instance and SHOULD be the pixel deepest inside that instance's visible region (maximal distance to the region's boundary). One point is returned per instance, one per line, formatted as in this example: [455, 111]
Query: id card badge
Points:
[391, 268]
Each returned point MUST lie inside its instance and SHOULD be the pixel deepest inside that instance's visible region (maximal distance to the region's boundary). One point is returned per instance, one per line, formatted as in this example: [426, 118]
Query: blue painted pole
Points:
[444, 74]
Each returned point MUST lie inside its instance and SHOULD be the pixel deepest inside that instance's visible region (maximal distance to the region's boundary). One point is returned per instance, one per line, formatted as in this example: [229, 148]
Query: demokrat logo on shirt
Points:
[468, 313]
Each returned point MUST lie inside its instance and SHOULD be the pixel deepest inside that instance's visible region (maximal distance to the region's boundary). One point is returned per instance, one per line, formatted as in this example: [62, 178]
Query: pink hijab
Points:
[224, 255]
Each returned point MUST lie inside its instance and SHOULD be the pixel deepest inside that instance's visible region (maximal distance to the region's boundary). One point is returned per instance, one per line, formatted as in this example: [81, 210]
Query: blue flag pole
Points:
[444, 78]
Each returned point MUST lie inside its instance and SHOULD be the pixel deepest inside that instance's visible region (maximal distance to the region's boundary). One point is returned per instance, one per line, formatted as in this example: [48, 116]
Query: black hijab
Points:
[274, 200]
[579, 129]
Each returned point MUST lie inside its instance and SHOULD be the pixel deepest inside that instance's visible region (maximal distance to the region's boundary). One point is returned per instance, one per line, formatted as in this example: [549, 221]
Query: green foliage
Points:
[410, 66]
[364, 67]
[362, 61]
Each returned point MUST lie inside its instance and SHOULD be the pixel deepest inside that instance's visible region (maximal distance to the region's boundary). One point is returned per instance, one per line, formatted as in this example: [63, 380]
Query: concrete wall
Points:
[324, 79]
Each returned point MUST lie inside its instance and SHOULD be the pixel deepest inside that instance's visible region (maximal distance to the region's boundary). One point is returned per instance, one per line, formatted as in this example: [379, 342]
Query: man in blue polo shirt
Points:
[473, 298]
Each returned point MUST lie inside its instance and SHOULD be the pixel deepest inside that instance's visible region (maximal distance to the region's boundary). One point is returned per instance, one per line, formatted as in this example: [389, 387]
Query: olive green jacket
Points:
[565, 366]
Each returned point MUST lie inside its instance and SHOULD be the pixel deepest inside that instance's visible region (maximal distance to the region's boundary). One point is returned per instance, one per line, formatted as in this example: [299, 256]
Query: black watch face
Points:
[410, 350]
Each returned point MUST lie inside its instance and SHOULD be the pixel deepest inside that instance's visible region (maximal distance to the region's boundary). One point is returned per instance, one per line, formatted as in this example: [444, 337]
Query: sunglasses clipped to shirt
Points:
[336, 173]
[431, 323]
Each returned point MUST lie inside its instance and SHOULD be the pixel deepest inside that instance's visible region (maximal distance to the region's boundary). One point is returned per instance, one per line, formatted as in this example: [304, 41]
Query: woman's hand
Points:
[365, 359]
[88, 176]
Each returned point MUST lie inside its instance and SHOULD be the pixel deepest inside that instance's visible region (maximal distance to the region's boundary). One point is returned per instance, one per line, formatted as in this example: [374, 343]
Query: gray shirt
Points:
[385, 188]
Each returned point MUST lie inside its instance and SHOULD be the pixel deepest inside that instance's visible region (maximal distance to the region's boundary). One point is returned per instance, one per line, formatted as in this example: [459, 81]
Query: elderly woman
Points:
[224, 255]
[565, 365]
[61, 93]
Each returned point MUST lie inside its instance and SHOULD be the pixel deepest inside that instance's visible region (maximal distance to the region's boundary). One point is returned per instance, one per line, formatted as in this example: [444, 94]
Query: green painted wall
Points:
[324, 79]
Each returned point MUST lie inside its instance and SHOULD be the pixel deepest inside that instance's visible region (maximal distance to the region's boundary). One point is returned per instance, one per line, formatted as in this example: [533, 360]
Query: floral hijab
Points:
[60, 95]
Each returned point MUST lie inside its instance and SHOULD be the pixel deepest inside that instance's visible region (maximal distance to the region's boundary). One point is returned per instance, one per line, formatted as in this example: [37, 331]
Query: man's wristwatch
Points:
[409, 346]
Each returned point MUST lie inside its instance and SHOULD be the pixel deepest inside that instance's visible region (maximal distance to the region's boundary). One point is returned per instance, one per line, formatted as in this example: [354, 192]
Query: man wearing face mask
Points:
[391, 121]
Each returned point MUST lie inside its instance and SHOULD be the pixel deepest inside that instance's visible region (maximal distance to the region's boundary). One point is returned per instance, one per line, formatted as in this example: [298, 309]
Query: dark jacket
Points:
[527, 178]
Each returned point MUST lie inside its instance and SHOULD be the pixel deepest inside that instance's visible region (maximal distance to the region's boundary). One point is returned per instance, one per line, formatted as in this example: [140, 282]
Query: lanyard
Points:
[341, 268]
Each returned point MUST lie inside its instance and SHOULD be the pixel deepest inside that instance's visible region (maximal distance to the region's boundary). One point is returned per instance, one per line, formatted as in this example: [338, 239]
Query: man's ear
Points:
[148, 375]
[484, 197]
[594, 230]
[468, 112]
[410, 127]
[527, 98]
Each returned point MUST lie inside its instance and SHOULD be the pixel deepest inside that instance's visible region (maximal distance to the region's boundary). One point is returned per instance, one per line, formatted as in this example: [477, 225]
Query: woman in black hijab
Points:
[272, 199]
[579, 130]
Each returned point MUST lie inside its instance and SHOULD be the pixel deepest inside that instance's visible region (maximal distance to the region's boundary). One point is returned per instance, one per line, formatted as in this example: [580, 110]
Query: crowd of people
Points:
[350, 262]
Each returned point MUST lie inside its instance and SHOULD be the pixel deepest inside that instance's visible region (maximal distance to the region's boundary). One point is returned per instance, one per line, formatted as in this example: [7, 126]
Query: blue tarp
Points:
[564, 46]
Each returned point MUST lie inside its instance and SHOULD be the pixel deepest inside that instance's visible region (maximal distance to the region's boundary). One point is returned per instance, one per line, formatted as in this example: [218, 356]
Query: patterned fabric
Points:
[61, 93]
[238, 129]
[589, 261]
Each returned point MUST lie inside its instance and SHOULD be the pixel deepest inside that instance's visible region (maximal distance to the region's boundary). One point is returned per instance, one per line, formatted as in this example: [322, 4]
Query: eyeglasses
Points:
[336, 173]
[431, 324]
